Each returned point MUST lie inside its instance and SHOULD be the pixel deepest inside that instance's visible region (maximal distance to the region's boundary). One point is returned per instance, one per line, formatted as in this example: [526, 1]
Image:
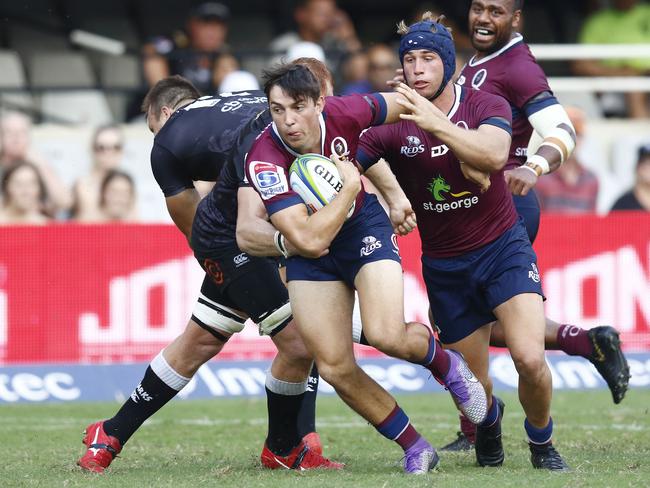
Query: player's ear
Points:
[516, 19]
[320, 104]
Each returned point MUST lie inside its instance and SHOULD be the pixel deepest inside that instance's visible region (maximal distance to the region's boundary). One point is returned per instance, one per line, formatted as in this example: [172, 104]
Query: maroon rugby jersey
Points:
[454, 217]
[512, 73]
[342, 121]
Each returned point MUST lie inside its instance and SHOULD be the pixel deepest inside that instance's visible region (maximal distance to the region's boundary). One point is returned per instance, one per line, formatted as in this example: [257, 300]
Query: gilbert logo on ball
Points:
[316, 180]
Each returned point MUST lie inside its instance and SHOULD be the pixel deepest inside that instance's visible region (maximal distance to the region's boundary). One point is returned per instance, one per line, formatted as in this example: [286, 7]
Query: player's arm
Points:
[553, 141]
[181, 208]
[255, 234]
[401, 212]
[181, 197]
[312, 234]
[485, 148]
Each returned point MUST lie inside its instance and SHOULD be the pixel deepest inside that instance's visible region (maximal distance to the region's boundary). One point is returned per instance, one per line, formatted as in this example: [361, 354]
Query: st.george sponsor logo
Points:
[441, 190]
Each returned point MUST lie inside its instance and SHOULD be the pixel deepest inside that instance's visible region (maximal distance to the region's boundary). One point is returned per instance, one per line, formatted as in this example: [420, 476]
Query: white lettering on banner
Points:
[622, 284]
[129, 304]
[3, 318]
[33, 388]
[402, 376]
[228, 381]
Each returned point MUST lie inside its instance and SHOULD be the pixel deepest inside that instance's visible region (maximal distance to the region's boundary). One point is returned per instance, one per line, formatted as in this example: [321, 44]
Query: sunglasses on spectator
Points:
[107, 147]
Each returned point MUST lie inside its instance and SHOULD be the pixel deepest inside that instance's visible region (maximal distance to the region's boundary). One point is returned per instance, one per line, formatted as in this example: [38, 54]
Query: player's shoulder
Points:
[267, 147]
[471, 96]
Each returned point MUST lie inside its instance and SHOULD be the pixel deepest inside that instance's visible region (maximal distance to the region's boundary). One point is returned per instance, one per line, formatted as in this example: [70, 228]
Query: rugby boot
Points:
[102, 448]
[465, 388]
[420, 458]
[461, 443]
[609, 360]
[489, 447]
[546, 457]
[301, 458]
[313, 442]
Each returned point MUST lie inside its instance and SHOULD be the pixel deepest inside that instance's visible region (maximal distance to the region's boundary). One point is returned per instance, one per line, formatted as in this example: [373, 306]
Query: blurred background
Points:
[91, 269]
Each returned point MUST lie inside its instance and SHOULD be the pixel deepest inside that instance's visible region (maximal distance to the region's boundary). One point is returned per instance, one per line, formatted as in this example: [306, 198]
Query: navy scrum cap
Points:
[432, 36]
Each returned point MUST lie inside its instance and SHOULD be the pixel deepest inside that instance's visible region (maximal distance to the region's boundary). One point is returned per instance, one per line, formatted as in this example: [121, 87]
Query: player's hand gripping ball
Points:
[316, 179]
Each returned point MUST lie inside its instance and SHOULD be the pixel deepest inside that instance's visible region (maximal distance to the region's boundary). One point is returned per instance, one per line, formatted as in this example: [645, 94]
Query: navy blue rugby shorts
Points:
[464, 290]
[365, 238]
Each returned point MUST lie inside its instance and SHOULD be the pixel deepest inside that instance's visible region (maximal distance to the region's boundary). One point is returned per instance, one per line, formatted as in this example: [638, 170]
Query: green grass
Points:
[217, 443]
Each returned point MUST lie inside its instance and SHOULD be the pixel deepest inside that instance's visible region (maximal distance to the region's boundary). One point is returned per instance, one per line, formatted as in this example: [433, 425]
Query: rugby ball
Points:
[316, 180]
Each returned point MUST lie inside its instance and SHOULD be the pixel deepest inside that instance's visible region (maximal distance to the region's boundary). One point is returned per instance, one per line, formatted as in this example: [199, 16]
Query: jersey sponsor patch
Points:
[269, 179]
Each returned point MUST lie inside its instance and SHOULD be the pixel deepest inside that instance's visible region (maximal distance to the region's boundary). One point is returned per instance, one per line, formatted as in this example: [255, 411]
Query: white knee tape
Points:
[217, 316]
[275, 319]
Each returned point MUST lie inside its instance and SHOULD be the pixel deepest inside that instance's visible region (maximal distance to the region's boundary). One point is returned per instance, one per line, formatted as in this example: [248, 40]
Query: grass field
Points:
[217, 443]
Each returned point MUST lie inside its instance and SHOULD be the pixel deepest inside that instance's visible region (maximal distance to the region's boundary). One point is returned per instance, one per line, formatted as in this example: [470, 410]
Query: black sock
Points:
[283, 422]
[148, 397]
[307, 413]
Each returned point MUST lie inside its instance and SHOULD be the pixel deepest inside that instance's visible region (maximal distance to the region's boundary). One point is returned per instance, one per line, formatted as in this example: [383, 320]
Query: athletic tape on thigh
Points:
[218, 316]
[278, 318]
[284, 387]
[167, 374]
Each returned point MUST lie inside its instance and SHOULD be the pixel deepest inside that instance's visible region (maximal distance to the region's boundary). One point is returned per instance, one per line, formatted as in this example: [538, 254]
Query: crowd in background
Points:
[32, 192]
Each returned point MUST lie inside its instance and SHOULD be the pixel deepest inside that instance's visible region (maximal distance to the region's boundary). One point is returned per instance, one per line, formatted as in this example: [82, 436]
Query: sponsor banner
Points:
[120, 293]
[220, 379]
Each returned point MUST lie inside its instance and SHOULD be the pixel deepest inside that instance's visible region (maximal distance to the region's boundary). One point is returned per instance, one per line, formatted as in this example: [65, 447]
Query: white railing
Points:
[568, 52]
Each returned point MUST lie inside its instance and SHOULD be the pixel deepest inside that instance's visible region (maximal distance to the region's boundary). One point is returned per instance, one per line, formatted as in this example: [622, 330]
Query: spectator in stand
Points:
[323, 23]
[108, 151]
[625, 22]
[199, 53]
[117, 198]
[195, 54]
[638, 197]
[572, 188]
[382, 63]
[24, 197]
[15, 141]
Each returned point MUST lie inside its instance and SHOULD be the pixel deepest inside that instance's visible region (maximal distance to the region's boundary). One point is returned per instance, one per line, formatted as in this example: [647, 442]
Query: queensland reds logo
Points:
[214, 271]
[339, 146]
[479, 78]
[393, 240]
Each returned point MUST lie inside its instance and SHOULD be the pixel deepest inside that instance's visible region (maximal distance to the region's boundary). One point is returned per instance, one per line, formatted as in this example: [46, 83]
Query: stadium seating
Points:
[13, 78]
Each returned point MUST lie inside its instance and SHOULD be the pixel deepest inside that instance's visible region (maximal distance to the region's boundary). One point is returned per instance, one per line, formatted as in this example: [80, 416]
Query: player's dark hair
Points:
[517, 5]
[168, 92]
[296, 80]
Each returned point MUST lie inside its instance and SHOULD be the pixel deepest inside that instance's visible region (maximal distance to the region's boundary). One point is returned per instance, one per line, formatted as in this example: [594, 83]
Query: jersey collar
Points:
[321, 121]
[458, 91]
[515, 40]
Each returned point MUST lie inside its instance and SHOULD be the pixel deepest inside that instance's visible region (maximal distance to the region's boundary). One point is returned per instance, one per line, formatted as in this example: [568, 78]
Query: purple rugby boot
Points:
[465, 388]
[420, 458]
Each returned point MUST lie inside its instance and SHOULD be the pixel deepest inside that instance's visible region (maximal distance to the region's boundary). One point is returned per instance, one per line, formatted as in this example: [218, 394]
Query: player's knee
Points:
[531, 368]
[336, 373]
[388, 340]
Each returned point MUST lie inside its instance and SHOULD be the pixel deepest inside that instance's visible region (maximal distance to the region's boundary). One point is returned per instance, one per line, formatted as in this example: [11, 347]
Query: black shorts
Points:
[236, 282]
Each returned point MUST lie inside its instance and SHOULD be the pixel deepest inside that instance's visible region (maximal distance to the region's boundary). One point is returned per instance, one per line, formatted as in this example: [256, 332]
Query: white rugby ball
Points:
[316, 179]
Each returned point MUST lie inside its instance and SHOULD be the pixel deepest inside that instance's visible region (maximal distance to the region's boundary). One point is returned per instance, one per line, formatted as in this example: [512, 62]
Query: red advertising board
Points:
[78, 293]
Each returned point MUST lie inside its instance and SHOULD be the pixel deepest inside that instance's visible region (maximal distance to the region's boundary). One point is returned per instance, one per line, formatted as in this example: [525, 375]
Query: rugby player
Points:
[478, 263]
[504, 65]
[335, 256]
[194, 138]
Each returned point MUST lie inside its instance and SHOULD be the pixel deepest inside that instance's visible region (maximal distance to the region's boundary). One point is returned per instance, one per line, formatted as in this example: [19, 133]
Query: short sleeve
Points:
[169, 172]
